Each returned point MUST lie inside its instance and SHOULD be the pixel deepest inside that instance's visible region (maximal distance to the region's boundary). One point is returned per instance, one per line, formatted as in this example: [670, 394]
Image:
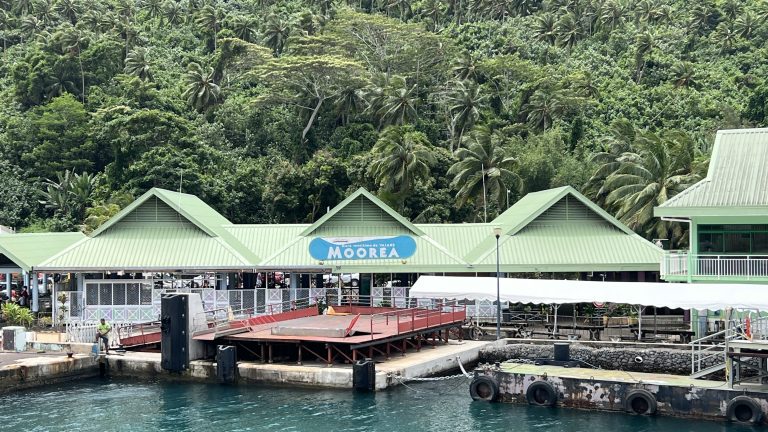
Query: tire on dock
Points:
[745, 410]
[484, 388]
[541, 393]
[640, 402]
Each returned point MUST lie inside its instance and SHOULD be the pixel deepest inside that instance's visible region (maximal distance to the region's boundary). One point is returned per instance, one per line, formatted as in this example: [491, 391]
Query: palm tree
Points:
[276, 34]
[43, 10]
[645, 43]
[68, 9]
[349, 101]
[201, 91]
[683, 74]
[612, 14]
[724, 36]
[137, 64]
[657, 171]
[73, 41]
[465, 104]
[173, 12]
[399, 103]
[543, 107]
[244, 27]
[699, 19]
[70, 194]
[525, 7]
[402, 155]
[544, 27]
[30, 25]
[209, 19]
[153, 8]
[619, 141]
[568, 30]
[484, 169]
[745, 25]
[465, 67]
[56, 85]
[23, 7]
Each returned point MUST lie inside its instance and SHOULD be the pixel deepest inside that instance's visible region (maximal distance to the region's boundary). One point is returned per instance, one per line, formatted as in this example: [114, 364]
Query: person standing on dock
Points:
[102, 332]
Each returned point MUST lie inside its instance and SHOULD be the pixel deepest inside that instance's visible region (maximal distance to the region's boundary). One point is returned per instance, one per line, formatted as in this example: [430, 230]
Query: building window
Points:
[733, 239]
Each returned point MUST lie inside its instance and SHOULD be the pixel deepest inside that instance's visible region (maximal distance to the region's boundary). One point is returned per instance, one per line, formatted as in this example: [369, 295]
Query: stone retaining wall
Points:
[654, 360]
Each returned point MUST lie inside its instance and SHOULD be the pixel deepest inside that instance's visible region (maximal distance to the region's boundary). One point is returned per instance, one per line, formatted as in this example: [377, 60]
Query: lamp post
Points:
[497, 234]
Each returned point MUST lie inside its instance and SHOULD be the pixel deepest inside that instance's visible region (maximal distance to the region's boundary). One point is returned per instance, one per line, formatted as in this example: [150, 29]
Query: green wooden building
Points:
[727, 213]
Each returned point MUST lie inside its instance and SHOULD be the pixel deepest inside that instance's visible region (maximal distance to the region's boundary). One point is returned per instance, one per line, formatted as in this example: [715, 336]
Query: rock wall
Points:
[658, 360]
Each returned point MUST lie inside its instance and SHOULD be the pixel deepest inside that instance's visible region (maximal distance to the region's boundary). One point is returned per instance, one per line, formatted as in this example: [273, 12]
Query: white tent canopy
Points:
[544, 291]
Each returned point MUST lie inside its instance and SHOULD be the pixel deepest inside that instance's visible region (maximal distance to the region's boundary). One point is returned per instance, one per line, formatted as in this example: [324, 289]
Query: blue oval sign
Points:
[362, 248]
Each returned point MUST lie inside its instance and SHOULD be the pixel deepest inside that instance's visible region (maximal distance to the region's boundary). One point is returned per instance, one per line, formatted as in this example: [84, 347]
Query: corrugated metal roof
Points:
[429, 254]
[588, 246]
[266, 240]
[737, 174]
[149, 248]
[29, 250]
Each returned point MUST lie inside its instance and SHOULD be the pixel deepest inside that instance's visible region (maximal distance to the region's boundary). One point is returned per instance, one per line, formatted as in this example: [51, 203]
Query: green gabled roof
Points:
[161, 229]
[30, 250]
[539, 207]
[151, 248]
[534, 204]
[736, 182]
[362, 209]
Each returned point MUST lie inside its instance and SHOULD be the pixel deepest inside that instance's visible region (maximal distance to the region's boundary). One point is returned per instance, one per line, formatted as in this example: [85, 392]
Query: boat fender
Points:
[484, 388]
[541, 393]
[744, 409]
[640, 402]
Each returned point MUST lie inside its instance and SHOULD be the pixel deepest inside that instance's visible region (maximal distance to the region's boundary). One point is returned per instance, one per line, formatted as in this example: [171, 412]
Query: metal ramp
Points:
[725, 350]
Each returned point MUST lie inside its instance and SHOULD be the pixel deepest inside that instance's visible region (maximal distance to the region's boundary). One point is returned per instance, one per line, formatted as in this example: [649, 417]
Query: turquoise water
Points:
[121, 405]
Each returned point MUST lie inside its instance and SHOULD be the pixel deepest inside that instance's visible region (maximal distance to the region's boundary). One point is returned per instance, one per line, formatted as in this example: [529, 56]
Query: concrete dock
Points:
[615, 390]
[429, 361]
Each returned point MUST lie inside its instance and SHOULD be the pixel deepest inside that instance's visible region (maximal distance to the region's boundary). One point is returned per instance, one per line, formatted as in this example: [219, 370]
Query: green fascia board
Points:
[362, 191]
[689, 212]
[30, 250]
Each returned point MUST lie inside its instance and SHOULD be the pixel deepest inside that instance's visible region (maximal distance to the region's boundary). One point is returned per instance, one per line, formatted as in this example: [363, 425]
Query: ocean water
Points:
[129, 405]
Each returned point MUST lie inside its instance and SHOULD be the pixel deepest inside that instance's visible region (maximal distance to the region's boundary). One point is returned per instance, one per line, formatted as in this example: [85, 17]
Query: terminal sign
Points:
[362, 248]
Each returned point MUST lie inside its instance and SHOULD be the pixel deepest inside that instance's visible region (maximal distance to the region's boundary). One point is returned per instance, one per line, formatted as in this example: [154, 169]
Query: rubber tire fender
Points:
[643, 395]
[534, 393]
[484, 388]
[732, 411]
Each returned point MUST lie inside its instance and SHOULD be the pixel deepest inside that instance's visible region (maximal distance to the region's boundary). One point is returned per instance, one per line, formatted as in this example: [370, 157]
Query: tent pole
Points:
[554, 329]
[639, 322]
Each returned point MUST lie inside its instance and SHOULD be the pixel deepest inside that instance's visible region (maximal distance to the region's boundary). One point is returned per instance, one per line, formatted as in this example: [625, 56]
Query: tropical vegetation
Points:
[271, 111]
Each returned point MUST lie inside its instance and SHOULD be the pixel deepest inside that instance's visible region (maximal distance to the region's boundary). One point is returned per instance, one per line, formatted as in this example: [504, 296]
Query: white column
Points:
[8, 284]
[35, 293]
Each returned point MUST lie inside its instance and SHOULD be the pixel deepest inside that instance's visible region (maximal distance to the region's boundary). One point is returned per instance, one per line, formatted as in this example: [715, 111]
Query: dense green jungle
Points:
[449, 110]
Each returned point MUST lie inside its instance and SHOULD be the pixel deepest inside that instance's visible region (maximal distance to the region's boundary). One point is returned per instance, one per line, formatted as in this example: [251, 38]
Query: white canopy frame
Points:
[699, 296]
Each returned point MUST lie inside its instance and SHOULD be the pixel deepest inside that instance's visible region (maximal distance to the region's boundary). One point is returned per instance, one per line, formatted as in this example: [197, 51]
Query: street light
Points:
[497, 234]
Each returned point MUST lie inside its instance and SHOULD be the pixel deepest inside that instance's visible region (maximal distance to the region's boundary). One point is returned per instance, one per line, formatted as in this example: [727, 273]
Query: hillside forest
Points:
[449, 110]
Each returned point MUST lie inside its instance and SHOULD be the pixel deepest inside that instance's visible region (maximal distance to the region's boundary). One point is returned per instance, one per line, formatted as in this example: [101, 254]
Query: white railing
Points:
[711, 350]
[113, 301]
[714, 266]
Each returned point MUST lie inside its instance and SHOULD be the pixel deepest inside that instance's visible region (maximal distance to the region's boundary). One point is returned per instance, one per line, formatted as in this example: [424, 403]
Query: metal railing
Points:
[714, 266]
[711, 351]
[429, 313]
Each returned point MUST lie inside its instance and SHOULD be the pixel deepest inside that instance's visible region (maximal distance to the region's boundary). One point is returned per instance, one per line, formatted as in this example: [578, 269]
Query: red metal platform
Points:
[362, 331]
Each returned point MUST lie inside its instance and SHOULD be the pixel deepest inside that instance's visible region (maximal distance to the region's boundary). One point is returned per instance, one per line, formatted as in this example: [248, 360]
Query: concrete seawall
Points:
[26, 370]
